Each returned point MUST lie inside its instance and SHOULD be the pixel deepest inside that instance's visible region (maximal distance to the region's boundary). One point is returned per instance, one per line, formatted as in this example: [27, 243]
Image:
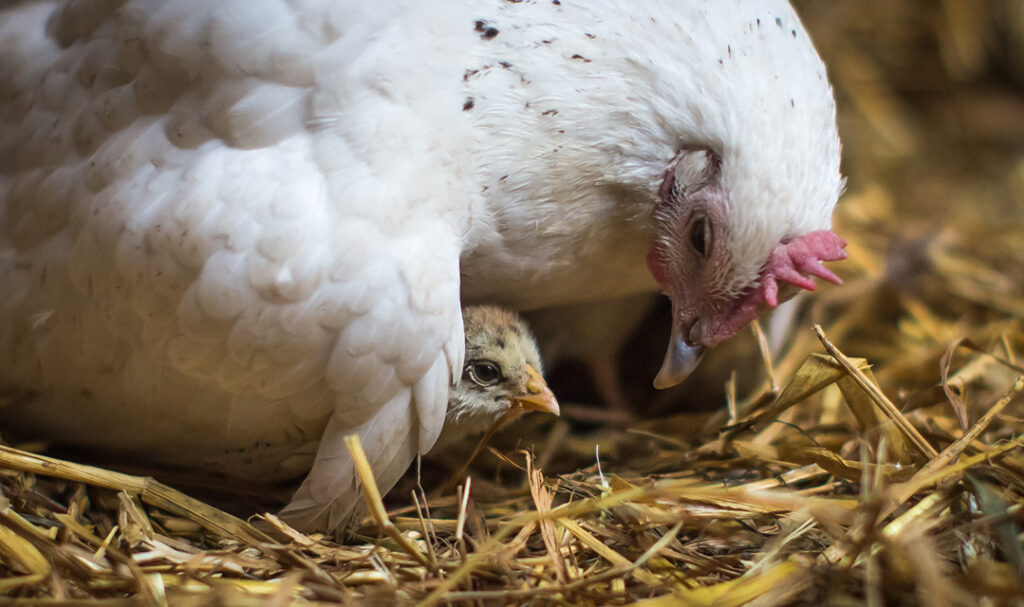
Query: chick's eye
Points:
[483, 372]
[700, 235]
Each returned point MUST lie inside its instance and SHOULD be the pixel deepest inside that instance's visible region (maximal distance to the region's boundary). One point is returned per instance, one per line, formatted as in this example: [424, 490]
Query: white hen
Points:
[233, 232]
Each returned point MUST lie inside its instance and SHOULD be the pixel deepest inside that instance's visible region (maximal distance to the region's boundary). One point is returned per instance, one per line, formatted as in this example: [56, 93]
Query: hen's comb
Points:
[791, 261]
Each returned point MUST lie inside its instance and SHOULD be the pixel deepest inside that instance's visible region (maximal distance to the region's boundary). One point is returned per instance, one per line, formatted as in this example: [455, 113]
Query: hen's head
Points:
[742, 217]
[721, 262]
[503, 371]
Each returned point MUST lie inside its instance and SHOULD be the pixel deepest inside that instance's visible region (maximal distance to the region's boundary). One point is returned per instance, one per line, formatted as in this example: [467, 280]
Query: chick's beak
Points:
[538, 396]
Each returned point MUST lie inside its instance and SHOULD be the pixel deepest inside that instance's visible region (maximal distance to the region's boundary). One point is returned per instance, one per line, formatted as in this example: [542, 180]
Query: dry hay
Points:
[891, 474]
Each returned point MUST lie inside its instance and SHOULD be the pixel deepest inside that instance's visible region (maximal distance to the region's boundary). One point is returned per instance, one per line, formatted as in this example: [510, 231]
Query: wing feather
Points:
[413, 416]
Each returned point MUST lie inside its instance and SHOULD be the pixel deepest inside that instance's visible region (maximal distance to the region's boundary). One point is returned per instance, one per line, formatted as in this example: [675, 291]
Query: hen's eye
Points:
[483, 372]
[699, 236]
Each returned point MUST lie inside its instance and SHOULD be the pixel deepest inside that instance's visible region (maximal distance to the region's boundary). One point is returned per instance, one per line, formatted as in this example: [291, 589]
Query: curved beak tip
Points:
[680, 360]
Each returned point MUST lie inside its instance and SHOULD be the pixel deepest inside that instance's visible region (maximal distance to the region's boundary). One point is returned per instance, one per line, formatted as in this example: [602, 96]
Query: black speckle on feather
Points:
[468, 104]
[778, 21]
[486, 31]
[581, 58]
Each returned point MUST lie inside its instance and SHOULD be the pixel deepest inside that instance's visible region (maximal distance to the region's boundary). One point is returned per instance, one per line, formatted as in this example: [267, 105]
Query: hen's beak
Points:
[680, 359]
[538, 396]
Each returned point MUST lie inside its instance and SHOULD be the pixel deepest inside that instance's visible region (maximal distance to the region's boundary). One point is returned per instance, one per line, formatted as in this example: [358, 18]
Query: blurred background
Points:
[930, 103]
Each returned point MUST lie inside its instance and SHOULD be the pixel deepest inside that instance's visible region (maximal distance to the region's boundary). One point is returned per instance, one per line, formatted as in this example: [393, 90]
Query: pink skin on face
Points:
[656, 266]
[793, 262]
[690, 260]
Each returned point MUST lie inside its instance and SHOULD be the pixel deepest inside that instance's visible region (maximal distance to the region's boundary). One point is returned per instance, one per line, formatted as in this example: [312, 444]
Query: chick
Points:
[503, 374]
[502, 377]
